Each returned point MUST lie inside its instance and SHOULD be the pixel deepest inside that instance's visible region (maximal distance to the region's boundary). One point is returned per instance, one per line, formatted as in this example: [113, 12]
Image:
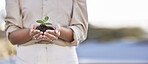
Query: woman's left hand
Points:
[51, 35]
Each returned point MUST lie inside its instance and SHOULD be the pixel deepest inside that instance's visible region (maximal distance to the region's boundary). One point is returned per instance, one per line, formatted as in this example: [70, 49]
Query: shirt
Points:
[67, 13]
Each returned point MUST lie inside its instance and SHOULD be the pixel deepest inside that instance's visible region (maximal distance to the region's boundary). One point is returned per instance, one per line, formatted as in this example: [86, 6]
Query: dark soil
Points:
[43, 28]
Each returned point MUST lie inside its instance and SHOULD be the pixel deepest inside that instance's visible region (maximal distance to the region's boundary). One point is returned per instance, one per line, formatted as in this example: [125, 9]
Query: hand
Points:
[35, 34]
[51, 35]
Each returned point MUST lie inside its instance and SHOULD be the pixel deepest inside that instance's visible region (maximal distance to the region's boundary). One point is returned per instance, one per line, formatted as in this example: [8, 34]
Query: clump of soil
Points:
[43, 28]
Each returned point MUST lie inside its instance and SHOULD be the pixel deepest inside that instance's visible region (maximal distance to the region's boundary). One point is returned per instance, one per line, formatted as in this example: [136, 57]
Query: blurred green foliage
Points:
[112, 34]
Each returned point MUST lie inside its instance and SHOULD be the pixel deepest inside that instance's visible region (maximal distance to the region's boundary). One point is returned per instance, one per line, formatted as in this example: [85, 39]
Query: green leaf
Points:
[43, 21]
[44, 24]
[40, 21]
[46, 18]
[47, 23]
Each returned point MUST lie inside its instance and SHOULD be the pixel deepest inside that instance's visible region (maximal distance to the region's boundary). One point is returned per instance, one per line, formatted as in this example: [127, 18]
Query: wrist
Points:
[30, 32]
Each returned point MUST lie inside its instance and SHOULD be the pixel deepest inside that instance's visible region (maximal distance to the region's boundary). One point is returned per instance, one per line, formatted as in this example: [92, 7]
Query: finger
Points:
[53, 26]
[40, 37]
[51, 36]
[56, 26]
[57, 30]
[31, 32]
[37, 36]
[34, 38]
[50, 32]
[34, 32]
[46, 38]
[57, 33]
[34, 27]
[53, 32]
[43, 38]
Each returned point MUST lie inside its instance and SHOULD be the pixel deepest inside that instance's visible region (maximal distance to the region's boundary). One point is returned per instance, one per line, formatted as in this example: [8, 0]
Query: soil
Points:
[43, 28]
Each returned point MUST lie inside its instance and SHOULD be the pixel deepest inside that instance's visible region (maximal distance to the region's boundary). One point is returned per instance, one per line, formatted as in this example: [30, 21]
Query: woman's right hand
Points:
[34, 33]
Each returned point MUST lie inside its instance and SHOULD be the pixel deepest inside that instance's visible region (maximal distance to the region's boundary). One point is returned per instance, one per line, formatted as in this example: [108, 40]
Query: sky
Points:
[116, 13]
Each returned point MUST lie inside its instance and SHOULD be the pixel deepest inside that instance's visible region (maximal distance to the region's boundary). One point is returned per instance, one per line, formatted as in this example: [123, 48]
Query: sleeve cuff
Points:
[11, 29]
[76, 36]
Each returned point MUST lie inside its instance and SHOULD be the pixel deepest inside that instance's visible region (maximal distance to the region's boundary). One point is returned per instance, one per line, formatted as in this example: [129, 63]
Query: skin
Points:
[22, 36]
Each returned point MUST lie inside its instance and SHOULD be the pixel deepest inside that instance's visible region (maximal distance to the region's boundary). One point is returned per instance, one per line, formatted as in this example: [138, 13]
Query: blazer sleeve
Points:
[13, 18]
[79, 21]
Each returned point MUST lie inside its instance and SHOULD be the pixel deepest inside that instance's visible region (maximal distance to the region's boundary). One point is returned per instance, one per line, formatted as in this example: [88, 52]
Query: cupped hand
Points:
[34, 33]
[51, 35]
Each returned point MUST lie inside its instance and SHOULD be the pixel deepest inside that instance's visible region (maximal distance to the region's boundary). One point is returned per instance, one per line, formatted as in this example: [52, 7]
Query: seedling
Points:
[44, 25]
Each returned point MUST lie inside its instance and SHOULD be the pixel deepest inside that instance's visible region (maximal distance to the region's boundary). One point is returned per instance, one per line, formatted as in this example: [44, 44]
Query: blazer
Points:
[67, 13]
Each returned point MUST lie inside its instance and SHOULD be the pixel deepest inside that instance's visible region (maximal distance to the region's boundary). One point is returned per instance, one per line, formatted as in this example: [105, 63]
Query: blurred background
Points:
[117, 34]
